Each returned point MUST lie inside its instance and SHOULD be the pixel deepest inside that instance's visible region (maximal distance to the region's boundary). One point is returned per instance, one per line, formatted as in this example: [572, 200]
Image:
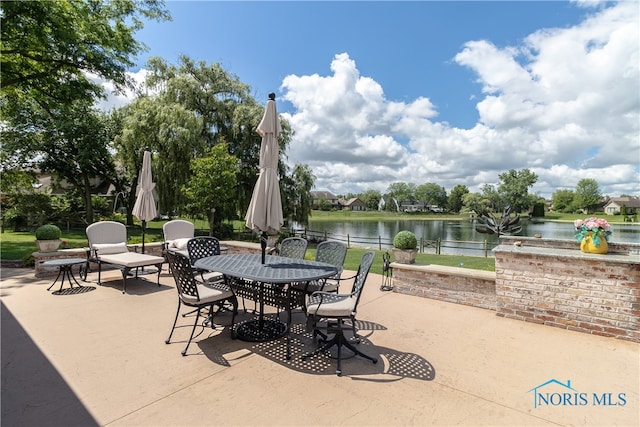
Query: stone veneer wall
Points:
[451, 284]
[552, 283]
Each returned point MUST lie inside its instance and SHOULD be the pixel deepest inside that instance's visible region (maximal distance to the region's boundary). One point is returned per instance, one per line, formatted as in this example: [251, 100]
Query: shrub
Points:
[405, 240]
[48, 232]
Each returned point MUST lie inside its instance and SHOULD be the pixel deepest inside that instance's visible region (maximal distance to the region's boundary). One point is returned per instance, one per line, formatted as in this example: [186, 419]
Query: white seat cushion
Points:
[131, 259]
[179, 244]
[212, 276]
[337, 307]
[182, 252]
[110, 248]
[208, 294]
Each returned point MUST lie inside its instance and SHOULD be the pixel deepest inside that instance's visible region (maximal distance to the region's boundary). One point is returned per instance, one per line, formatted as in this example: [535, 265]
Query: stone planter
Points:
[48, 245]
[405, 256]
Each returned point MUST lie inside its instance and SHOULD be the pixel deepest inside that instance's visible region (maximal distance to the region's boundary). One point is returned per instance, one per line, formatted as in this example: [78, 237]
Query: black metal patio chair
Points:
[328, 311]
[193, 293]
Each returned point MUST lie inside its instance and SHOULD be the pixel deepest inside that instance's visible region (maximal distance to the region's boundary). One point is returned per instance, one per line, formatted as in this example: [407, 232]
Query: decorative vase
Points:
[48, 245]
[405, 256]
[588, 246]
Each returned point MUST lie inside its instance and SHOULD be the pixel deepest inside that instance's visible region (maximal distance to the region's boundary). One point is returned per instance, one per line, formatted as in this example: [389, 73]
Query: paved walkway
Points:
[99, 358]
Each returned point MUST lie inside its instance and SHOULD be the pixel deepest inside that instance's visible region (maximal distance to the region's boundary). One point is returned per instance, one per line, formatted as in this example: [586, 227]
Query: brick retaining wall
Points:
[596, 294]
[545, 281]
[451, 284]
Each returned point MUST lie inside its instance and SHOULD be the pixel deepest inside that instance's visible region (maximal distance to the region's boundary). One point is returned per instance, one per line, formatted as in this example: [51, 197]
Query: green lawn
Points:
[20, 245]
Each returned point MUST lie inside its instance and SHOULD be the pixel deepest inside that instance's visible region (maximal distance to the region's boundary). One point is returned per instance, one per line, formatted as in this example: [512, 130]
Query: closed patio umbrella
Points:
[145, 207]
[265, 209]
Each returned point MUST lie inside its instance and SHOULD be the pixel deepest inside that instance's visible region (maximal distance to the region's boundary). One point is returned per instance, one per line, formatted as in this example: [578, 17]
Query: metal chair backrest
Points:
[333, 253]
[183, 275]
[201, 247]
[361, 275]
[293, 247]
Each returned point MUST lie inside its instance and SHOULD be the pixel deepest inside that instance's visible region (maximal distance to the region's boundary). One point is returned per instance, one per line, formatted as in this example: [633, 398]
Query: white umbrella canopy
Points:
[145, 207]
[265, 209]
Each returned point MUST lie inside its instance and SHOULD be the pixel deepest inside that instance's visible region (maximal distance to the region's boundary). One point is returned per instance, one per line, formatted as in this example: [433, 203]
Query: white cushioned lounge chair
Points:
[177, 233]
[108, 245]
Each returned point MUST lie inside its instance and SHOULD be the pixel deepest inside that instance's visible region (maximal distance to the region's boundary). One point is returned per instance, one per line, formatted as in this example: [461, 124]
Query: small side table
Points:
[65, 270]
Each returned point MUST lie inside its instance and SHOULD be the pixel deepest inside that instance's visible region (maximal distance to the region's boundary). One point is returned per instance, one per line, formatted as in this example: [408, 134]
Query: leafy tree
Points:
[71, 142]
[563, 200]
[587, 194]
[371, 198]
[402, 192]
[432, 194]
[514, 189]
[323, 205]
[15, 180]
[47, 50]
[172, 133]
[297, 194]
[210, 186]
[475, 202]
[227, 111]
[48, 47]
[492, 199]
[208, 90]
[538, 209]
[455, 201]
[26, 211]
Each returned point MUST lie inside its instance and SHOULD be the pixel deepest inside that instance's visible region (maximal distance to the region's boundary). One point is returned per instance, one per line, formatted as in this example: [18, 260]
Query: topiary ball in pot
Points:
[405, 240]
[48, 237]
[405, 247]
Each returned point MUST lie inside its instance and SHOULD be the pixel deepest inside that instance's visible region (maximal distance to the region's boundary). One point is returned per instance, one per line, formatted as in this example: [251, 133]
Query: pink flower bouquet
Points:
[599, 227]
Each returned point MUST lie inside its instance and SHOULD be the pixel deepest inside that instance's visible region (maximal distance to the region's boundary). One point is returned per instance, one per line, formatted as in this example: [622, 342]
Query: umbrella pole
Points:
[144, 226]
[263, 244]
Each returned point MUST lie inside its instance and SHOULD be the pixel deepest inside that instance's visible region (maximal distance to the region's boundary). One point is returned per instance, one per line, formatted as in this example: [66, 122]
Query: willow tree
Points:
[207, 90]
[171, 133]
[227, 111]
[296, 193]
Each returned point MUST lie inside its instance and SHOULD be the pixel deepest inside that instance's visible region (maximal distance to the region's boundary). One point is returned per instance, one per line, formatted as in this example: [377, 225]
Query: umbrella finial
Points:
[272, 96]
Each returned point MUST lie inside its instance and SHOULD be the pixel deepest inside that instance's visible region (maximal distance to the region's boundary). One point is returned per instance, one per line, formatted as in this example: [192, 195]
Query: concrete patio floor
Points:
[99, 358]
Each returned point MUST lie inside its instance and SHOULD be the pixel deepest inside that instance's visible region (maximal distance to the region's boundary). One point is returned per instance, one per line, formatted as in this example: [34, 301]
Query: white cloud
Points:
[564, 104]
[115, 99]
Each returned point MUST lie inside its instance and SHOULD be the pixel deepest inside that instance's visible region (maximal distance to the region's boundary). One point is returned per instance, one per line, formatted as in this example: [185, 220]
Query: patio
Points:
[99, 358]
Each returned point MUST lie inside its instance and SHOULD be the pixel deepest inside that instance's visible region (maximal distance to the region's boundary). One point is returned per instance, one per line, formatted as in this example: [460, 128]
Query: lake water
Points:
[377, 234]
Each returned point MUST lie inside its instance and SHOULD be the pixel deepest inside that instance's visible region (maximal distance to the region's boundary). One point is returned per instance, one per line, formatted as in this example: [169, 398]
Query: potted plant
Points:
[48, 238]
[592, 233]
[405, 247]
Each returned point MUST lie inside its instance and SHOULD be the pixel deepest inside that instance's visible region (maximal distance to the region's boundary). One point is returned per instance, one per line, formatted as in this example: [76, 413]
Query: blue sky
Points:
[408, 48]
[446, 92]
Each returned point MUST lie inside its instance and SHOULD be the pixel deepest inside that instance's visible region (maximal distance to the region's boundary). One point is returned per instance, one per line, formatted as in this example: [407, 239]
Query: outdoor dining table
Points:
[268, 283]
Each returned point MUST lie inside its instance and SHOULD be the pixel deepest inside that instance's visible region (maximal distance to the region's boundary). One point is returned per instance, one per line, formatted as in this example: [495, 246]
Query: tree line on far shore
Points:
[511, 191]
